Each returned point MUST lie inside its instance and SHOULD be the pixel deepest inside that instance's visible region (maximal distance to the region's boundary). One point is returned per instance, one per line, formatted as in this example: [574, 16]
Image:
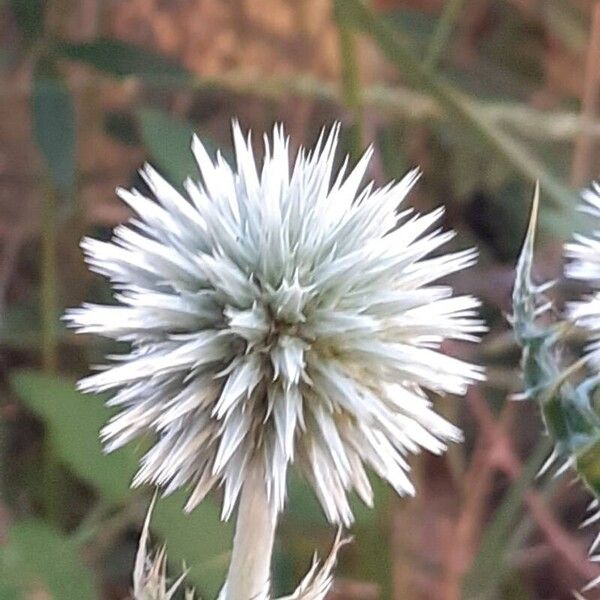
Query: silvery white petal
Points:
[584, 265]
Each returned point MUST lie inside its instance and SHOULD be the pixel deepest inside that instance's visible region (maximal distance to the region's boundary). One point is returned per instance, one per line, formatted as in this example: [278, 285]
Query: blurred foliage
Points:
[491, 565]
[73, 422]
[460, 109]
[37, 556]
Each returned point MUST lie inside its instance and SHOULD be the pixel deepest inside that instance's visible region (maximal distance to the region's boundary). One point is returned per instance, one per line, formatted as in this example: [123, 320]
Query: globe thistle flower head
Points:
[278, 316]
[584, 252]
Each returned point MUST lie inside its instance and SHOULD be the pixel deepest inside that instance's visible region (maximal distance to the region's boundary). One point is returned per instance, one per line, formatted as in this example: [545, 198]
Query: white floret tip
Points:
[584, 265]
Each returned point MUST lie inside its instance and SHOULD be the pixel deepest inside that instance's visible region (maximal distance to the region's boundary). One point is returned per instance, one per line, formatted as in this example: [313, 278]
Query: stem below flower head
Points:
[250, 568]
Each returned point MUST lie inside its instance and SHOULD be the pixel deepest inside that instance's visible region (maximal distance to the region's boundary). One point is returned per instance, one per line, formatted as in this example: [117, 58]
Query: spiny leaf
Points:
[567, 410]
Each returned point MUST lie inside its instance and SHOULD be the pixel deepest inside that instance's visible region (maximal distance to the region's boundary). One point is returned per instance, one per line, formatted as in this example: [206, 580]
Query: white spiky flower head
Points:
[278, 317]
[584, 265]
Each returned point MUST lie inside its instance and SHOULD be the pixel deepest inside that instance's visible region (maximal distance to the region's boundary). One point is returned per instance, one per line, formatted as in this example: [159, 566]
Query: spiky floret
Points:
[279, 317]
[584, 265]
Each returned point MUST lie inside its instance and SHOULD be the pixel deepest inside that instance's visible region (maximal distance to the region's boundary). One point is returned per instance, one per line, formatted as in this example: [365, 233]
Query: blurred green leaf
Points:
[418, 25]
[29, 15]
[304, 510]
[74, 421]
[36, 556]
[124, 60]
[199, 538]
[302, 506]
[54, 123]
[168, 141]
[304, 522]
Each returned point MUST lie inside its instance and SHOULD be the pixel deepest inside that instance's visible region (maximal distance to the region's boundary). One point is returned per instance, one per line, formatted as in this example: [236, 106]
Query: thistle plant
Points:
[276, 317]
[568, 410]
[150, 572]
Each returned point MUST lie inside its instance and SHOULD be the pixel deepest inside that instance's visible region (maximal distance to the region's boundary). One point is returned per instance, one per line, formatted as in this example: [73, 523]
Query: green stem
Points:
[351, 93]
[443, 32]
[49, 342]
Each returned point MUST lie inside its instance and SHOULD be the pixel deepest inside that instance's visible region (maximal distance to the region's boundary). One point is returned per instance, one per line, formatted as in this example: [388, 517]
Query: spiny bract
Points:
[278, 317]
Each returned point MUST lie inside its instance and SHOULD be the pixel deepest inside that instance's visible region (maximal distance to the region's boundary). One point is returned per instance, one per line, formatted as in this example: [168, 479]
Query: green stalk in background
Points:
[351, 92]
[53, 124]
[49, 343]
[48, 299]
